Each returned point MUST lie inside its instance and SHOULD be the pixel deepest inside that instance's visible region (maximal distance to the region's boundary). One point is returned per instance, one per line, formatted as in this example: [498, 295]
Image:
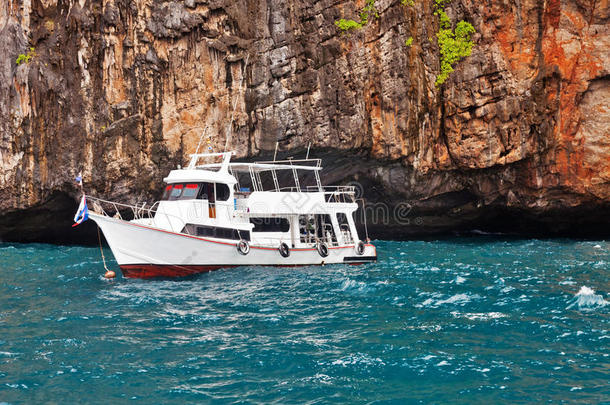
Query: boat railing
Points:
[312, 240]
[139, 211]
[338, 194]
[316, 189]
[314, 162]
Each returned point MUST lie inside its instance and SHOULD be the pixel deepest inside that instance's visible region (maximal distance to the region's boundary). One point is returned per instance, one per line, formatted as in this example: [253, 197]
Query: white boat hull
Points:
[145, 252]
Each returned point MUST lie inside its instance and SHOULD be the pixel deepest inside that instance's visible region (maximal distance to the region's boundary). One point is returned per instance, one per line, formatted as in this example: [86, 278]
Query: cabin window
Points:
[166, 193]
[176, 192]
[205, 190]
[190, 191]
[270, 224]
[216, 232]
[201, 191]
[222, 192]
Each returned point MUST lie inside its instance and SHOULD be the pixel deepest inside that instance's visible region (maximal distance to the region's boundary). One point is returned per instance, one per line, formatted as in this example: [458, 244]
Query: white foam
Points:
[459, 280]
[322, 378]
[358, 359]
[458, 299]
[586, 299]
[353, 285]
[479, 316]
[424, 327]
[427, 302]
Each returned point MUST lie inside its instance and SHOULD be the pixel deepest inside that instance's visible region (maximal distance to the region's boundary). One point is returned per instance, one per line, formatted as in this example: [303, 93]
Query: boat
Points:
[216, 213]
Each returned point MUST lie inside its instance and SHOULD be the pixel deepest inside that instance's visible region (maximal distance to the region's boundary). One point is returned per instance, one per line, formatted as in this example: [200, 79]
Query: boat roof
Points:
[258, 167]
[223, 172]
[226, 164]
[190, 175]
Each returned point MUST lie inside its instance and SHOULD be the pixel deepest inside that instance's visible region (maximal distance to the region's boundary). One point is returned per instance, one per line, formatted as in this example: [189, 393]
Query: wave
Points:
[457, 299]
[479, 316]
[356, 286]
[361, 359]
[586, 299]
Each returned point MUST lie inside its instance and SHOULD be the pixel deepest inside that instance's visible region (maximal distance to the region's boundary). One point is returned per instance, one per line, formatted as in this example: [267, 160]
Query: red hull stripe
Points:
[227, 243]
[175, 270]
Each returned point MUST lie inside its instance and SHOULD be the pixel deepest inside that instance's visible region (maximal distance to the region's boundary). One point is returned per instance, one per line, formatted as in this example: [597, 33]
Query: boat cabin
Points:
[266, 203]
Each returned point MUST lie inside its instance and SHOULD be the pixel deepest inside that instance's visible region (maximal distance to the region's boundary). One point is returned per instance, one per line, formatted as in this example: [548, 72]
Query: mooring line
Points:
[109, 273]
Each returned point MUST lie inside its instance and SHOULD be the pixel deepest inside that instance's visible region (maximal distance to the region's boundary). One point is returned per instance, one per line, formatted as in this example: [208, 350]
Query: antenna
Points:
[275, 153]
[228, 136]
[308, 146]
[201, 138]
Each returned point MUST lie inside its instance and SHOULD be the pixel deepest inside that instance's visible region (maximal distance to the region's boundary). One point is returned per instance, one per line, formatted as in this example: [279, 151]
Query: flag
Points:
[79, 179]
[83, 212]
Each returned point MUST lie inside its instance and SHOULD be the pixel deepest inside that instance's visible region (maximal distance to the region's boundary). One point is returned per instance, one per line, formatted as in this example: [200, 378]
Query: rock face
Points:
[515, 140]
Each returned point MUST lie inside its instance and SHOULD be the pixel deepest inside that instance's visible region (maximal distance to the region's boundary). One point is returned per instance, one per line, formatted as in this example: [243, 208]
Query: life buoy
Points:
[243, 247]
[284, 250]
[322, 249]
[360, 248]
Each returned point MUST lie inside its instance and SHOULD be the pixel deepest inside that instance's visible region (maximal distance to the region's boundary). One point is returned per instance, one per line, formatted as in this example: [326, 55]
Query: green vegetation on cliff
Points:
[454, 45]
[25, 58]
[368, 10]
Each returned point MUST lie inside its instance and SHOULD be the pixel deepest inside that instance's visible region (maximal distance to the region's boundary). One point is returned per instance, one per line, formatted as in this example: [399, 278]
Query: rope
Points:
[99, 239]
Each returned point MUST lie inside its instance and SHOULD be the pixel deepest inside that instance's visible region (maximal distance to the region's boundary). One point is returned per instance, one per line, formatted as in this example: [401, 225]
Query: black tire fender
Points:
[284, 250]
[322, 249]
[360, 248]
[243, 247]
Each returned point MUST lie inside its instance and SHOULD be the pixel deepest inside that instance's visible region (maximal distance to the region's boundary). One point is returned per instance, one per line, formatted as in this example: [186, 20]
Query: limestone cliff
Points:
[515, 140]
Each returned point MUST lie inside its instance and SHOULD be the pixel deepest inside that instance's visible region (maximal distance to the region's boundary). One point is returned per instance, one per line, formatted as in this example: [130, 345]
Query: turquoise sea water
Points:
[450, 321]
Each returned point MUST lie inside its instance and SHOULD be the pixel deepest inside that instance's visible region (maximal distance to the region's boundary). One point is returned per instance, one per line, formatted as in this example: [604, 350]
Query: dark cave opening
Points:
[49, 222]
[454, 214]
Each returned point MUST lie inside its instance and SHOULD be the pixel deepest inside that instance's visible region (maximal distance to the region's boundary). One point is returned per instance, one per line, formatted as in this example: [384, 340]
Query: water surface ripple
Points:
[450, 321]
